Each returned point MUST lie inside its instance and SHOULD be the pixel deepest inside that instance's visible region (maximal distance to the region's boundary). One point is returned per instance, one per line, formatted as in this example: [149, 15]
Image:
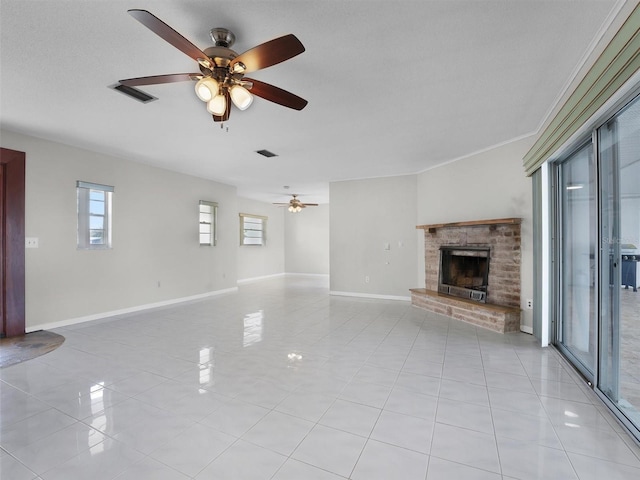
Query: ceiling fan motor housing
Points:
[220, 56]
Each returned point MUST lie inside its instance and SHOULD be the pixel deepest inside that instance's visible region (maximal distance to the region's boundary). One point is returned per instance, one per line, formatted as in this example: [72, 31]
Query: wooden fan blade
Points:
[276, 95]
[227, 113]
[158, 79]
[282, 204]
[310, 204]
[269, 53]
[167, 33]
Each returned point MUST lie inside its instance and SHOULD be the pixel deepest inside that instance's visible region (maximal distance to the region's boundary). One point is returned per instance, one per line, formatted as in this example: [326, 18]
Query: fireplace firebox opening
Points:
[464, 272]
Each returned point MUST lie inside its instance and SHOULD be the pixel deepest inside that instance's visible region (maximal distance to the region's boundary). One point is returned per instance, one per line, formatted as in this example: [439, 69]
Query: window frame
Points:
[84, 200]
[243, 229]
[213, 225]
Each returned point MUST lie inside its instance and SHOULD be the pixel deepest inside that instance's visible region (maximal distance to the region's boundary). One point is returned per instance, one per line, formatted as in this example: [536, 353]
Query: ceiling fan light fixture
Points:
[206, 89]
[241, 97]
[217, 105]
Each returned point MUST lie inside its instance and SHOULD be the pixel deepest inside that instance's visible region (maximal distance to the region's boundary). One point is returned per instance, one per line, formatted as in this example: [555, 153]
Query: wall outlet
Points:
[158, 283]
[529, 304]
[366, 279]
[31, 242]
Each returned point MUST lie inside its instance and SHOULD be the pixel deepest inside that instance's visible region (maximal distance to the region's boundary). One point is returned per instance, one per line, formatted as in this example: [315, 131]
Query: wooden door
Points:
[12, 276]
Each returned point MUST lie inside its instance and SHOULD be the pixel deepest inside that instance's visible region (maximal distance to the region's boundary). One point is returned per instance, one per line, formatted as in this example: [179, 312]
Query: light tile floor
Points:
[282, 381]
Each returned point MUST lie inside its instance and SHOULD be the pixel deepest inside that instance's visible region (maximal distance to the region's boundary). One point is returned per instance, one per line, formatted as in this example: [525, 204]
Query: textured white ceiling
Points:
[394, 87]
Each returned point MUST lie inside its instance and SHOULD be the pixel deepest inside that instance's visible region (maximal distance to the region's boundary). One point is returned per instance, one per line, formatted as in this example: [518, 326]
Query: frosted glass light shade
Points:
[241, 97]
[206, 89]
[217, 105]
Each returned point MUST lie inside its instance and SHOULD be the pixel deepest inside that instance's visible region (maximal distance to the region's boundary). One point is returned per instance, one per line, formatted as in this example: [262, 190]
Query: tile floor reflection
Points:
[326, 388]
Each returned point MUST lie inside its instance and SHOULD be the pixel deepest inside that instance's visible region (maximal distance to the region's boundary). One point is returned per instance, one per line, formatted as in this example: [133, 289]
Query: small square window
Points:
[208, 212]
[253, 229]
[94, 215]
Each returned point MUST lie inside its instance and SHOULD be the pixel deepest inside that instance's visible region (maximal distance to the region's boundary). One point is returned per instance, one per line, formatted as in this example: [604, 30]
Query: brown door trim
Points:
[12, 267]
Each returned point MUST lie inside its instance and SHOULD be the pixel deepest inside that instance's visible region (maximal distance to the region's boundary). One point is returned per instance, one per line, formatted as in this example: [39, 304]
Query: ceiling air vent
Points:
[133, 93]
[266, 153]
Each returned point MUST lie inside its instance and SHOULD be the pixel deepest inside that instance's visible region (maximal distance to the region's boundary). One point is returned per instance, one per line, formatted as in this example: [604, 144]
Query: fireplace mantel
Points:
[474, 223]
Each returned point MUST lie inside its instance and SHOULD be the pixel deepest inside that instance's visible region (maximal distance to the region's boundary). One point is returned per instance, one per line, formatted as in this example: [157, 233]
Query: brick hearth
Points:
[501, 312]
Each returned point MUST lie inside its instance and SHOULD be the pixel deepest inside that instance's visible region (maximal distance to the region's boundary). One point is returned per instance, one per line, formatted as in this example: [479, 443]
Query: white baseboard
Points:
[285, 274]
[526, 329]
[318, 275]
[257, 279]
[124, 311]
[370, 295]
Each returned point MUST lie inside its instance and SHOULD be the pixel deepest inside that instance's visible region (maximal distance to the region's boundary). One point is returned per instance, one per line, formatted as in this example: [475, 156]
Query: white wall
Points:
[307, 240]
[487, 185]
[261, 261]
[156, 256]
[365, 216]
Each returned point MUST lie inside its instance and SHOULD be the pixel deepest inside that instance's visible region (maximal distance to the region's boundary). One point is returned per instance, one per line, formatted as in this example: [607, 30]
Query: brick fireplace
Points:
[494, 305]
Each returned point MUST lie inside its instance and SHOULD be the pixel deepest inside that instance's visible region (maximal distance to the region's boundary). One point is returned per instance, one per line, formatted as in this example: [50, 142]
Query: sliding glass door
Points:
[577, 229]
[619, 153]
[597, 231]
